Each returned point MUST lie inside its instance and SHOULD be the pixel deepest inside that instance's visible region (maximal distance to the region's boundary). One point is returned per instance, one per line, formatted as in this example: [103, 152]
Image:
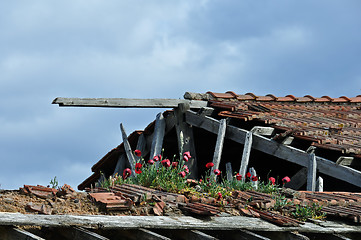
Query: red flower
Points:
[248, 175]
[138, 153]
[126, 173]
[238, 176]
[272, 180]
[182, 174]
[186, 156]
[151, 161]
[156, 158]
[165, 163]
[174, 164]
[200, 180]
[285, 180]
[254, 178]
[186, 169]
[209, 165]
[138, 165]
[138, 171]
[219, 195]
[217, 172]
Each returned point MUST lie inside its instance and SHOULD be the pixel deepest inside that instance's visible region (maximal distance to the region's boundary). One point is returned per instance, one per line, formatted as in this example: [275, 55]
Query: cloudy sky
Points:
[153, 49]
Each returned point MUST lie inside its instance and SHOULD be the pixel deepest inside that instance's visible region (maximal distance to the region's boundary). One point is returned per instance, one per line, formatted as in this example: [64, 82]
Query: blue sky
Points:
[153, 49]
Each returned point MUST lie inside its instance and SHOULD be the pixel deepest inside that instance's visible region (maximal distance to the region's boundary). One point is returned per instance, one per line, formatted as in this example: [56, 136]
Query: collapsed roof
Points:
[275, 135]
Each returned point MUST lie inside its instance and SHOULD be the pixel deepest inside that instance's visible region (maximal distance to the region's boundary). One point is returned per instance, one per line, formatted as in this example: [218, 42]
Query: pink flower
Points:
[186, 169]
[217, 172]
[182, 174]
[238, 176]
[165, 163]
[286, 180]
[209, 165]
[186, 156]
[272, 180]
[126, 173]
[138, 153]
[151, 161]
[248, 175]
[174, 164]
[254, 178]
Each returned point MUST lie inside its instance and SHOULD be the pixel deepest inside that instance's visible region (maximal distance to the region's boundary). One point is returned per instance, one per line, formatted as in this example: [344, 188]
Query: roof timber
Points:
[165, 222]
[126, 102]
[276, 149]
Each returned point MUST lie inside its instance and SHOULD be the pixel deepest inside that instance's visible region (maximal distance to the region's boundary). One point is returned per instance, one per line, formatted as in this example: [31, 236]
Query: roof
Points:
[331, 123]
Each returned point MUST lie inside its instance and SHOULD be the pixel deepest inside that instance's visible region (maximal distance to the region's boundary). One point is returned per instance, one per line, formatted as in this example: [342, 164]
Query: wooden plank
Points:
[249, 235]
[141, 145]
[165, 222]
[253, 173]
[319, 184]
[311, 173]
[185, 139]
[263, 131]
[158, 136]
[119, 168]
[76, 233]
[126, 102]
[14, 233]
[229, 171]
[245, 156]
[219, 146]
[128, 150]
[278, 150]
[298, 180]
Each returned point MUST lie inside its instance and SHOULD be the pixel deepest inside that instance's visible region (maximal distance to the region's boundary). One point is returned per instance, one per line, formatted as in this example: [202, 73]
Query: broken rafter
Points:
[278, 150]
[126, 102]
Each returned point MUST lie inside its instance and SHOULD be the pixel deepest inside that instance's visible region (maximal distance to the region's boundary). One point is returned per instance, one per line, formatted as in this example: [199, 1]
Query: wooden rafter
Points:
[126, 102]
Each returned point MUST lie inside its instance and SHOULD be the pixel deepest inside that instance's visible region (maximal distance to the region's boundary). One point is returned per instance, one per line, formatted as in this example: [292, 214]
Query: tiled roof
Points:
[331, 123]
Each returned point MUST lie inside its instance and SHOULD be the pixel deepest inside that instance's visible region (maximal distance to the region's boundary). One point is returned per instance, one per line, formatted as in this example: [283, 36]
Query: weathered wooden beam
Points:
[185, 139]
[14, 233]
[219, 146]
[263, 131]
[243, 234]
[311, 173]
[141, 145]
[245, 156]
[76, 233]
[119, 168]
[253, 173]
[278, 150]
[298, 180]
[165, 222]
[319, 184]
[229, 171]
[128, 150]
[345, 161]
[158, 136]
[126, 102]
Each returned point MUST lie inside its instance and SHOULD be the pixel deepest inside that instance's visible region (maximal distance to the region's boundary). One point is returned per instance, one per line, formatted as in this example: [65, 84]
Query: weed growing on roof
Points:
[305, 212]
[54, 183]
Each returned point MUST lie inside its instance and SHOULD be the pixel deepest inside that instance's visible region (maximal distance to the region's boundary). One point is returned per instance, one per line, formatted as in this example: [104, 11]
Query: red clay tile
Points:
[221, 95]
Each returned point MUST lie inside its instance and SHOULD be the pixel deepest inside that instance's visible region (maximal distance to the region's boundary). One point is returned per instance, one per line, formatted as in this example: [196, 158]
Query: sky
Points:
[153, 49]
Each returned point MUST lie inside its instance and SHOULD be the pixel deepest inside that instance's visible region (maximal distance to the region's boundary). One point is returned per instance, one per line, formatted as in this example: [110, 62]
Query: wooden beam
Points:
[77, 233]
[141, 145]
[158, 136]
[219, 146]
[165, 222]
[126, 102]
[245, 155]
[278, 150]
[311, 173]
[319, 184]
[263, 131]
[128, 150]
[185, 139]
[298, 180]
[119, 168]
[14, 233]
[229, 171]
